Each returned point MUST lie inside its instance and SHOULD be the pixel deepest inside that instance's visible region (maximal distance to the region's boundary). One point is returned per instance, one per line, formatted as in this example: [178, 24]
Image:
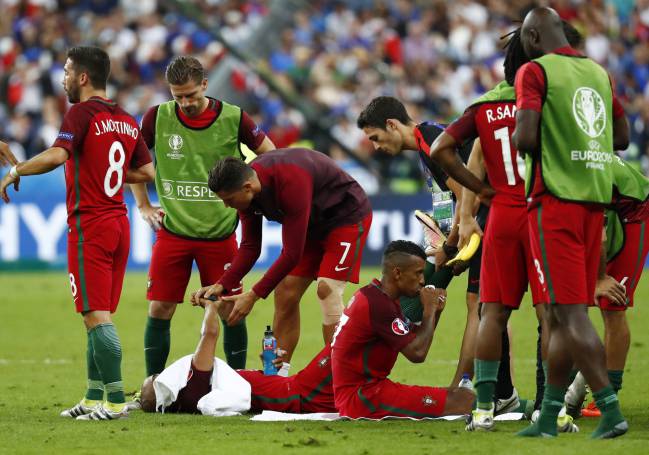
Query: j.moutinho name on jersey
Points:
[116, 126]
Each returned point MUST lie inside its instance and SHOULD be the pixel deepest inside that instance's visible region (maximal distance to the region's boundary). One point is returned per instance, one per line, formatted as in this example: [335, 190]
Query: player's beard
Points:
[73, 92]
[190, 111]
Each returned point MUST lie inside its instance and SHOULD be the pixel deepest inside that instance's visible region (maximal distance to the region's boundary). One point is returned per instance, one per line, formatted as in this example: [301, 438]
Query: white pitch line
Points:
[46, 361]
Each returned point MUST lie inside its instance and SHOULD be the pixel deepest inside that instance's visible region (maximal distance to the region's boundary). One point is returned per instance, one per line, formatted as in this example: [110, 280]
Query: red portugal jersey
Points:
[495, 122]
[368, 339]
[492, 118]
[103, 142]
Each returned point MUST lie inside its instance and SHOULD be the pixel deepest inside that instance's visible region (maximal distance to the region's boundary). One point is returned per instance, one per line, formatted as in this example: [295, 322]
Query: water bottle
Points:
[465, 382]
[269, 348]
[443, 210]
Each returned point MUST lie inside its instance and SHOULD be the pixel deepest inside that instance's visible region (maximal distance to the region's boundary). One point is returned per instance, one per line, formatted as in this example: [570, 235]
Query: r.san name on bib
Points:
[501, 112]
[115, 126]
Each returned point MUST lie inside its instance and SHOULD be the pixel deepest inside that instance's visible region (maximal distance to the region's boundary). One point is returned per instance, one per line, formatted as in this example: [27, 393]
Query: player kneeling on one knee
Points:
[373, 331]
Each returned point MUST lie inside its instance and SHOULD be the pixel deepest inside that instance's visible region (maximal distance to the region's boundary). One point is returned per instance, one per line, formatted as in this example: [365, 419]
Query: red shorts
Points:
[337, 256]
[628, 263]
[310, 390]
[97, 260]
[172, 259]
[507, 263]
[391, 399]
[566, 240]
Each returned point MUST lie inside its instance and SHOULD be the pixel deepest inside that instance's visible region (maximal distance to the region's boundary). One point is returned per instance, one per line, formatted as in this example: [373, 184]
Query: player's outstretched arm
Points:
[467, 222]
[203, 358]
[443, 152]
[432, 301]
[40, 164]
[7, 157]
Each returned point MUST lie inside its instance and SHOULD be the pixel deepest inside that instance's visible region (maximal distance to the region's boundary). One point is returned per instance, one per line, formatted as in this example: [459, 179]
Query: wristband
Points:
[13, 172]
[449, 250]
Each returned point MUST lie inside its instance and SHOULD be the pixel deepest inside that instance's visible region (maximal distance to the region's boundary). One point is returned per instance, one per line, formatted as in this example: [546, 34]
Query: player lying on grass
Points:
[201, 383]
[373, 331]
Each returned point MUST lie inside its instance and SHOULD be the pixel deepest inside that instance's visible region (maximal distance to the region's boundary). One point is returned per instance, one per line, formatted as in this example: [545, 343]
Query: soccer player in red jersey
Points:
[373, 331]
[507, 258]
[325, 217]
[387, 124]
[310, 390]
[187, 136]
[569, 184]
[102, 148]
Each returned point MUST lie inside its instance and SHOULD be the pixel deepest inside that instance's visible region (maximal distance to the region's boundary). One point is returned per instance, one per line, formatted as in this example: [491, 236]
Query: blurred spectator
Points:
[140, 37]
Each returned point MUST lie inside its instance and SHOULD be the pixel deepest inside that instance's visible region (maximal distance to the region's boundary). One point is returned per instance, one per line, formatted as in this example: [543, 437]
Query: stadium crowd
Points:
[437, 56]
[140, 37]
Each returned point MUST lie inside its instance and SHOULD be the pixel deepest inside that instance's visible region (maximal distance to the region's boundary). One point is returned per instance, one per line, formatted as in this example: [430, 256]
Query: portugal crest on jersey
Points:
[399, 327]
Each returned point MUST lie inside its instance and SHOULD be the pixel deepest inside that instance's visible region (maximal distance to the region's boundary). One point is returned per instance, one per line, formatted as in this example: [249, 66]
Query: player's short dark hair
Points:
[93, 61]
[147, 394]
[397, 249]
[515, 56]
[380, 109]
[183, 69]
[229, 174]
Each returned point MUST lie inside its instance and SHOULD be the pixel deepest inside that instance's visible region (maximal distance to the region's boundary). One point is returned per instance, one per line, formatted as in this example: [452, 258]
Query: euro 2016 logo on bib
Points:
[399, 327]
[175, 142]
[589, 111]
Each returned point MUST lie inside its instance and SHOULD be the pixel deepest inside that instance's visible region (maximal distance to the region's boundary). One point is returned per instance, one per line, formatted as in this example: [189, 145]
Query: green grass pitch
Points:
[42, 370]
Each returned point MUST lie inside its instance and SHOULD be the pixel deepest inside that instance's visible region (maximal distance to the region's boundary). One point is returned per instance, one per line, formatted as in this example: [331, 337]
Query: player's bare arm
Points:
[443, 151]
[142, 174]
[7, 157]
[152, 214]
[243, 304]
[432, 301]
[450, 245]
[467, 222]
[607, 286]
[40, 164]
[265, 146]
[526, 134]
[203, 358]
[620, 133]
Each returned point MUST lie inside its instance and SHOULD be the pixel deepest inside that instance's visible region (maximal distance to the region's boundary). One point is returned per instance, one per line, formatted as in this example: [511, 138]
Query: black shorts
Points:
[473, 279]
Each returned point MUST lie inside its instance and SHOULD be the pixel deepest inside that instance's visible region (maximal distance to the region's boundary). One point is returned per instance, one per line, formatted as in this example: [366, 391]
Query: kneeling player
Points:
[307, 391]
[372, 332]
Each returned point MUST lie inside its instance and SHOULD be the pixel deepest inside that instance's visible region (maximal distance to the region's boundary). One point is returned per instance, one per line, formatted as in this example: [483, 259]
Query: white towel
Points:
[230, 393]
[274, 416]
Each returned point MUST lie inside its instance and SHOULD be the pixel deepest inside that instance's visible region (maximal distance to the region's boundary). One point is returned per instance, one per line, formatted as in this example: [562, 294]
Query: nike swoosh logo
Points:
[340, 269]
[236, 289]
[238, 352]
